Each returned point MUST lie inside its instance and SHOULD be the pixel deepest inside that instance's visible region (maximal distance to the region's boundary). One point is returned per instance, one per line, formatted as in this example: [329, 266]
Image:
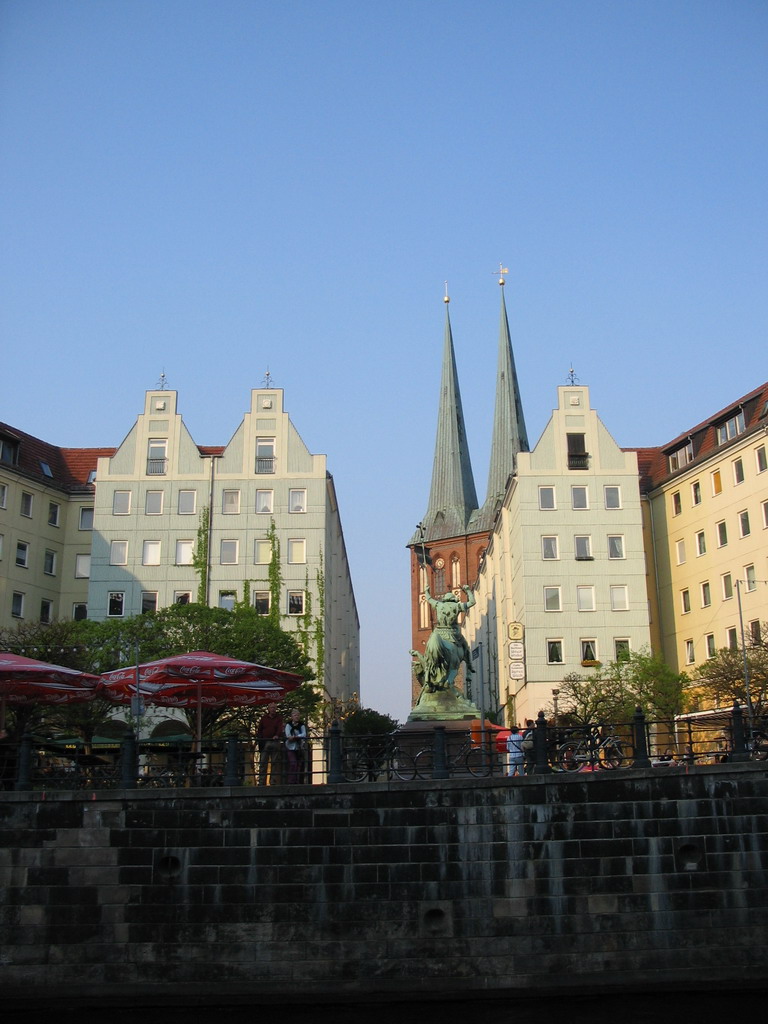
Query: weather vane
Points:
[502, 271]
[446, 297]
[572, 378]
[162, 383]
[266, 381]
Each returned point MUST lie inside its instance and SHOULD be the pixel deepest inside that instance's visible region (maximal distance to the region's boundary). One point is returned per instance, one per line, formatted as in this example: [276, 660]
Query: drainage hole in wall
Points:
[434, 921]
[169, 868]
[689, 857]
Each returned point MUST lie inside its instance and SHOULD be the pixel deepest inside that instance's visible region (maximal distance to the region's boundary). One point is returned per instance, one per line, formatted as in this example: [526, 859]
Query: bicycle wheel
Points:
[354, 766]
[402, 766]
[610, 755]
[424, 763]
[571, 756]
[478, 762]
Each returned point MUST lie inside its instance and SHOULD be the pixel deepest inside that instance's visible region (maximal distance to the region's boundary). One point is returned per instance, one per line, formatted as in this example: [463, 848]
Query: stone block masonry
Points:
[484, 886]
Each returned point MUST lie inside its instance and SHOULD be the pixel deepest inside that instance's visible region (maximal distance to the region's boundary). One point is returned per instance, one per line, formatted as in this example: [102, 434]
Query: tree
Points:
[367, 722]
[722, 679]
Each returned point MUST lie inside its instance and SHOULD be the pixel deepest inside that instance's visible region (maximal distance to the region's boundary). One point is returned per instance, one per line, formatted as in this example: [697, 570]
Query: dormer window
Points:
[731, 428]
[681, 457]
[9, 451]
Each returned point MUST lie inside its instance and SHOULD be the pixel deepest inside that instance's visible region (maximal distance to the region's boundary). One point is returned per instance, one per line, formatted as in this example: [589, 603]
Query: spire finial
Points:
[266, 380]
[572, 378]
[446, 297]
[162, 383]
[502, 271]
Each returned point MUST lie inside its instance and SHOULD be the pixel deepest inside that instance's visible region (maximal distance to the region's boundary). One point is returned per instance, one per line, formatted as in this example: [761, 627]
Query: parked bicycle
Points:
[371, 758]
[593, 749]
[467, 758]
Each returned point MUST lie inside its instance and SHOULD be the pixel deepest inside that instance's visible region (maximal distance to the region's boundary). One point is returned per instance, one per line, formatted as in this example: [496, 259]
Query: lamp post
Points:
[555, 695]
[750, 716]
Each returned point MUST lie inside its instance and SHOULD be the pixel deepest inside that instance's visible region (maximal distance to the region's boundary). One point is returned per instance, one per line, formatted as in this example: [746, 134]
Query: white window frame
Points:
[690, 655]
[721, 528]
[677, 503]
[588, 646]
[227, 599]
[706, 593]
[717, 482]
[709, 645]
[619, 597]
[726, 586]
[761, 459]
[27, 504]
[86, 515]
[184, 501]
[77, 605]
[54, 513]
[151, 497]
[230, 501]
[182, 597]
[83, 566]
[551, 642]
[266, 547]
[265, 502]
[551, 543]
[685, 601]
[583, 541]
[744, 526]
[22, 554]
[696, 492]
[293, 596]
[17, 604]
[297, 500]
[619, 501]
[3, 495]
[548, 490]
[732, 638]
[145, 603]
[297, 551]
[623, 651]
[49, 556]
[618, 539]
[118, 552]
[553, 599]
[230, 545]
[116, 509]
[579, 489]
[738, 471]
[750, 580]
[701, 543]
[185, 551]
[151, 551]
[585, 598]
[680, 551]
[116, 594]
[261, 596]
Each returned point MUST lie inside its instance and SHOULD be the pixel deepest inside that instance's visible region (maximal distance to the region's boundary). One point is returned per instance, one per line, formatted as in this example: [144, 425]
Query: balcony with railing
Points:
[578, 460]
[157, 467]
[265, 463]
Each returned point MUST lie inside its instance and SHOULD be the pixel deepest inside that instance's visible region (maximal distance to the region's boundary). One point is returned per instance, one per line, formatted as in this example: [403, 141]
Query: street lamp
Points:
[555, 695]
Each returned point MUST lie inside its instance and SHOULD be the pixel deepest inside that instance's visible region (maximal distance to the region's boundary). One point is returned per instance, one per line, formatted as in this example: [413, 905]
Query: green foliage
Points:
[200, 554]
[721, 680]
[366, 722]
[275, 575]
[319, 624]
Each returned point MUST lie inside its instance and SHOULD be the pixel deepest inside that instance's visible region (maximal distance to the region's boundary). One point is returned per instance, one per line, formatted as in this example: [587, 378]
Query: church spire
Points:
[452, 496]
[509, 433]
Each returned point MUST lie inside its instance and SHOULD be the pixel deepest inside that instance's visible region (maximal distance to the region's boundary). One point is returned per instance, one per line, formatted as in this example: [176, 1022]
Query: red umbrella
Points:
[28, 681]
[200, 679]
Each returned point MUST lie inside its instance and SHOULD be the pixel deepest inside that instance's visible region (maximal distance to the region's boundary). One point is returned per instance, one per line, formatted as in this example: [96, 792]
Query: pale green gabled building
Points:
[164, 506]
[562, 585]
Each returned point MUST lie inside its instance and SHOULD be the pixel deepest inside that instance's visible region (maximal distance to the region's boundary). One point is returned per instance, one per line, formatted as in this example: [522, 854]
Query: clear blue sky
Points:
[217, 187]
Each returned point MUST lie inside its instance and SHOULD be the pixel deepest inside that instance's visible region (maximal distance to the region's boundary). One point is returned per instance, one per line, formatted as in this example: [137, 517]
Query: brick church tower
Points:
[449, 543]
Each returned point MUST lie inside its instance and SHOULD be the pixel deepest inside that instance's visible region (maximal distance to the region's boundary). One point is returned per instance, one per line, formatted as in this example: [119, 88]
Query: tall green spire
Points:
[509, 434]
[452, 496]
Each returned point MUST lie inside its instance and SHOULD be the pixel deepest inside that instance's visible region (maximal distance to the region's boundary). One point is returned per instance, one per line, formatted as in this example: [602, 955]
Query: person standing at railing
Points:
[270, 734]
[515, 751]
[295, 745]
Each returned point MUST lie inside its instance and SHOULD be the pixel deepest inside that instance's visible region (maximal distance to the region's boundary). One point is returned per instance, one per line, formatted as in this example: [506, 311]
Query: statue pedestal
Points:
[443, 706]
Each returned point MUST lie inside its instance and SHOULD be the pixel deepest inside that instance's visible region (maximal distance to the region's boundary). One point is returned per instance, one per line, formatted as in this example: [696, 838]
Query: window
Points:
[549, 548]
[115, 603]
[619, 599]
[732, 638]
[765, 515]
[86, 517]
[157, 451]
[184, 552]
[727, 584]
[680, 551]
[182, 597]
[187, 503]
[264, 501]
[677, 505]
[681, 457]
[3, 495]
[22, 554]
[616, 546]
[731, 428]
[261, 601]
[588, 651]
[685, 601]
[148, 601]
[118, 552]
[150, 554]
[744, 529]
[54, 513]
[227, 599]
[297, 552]
[1, 545]
[121, 503]
[49, 563]
[82, 566]
[706, 594]
[577, 451]
[613, 497]
[689, 655]
[262, 554]
[230, 502]
[297, 500]
[701, 543]
[153, 503]
[755, 634]
[295, 602]
[229, 552]
[265, 455]
[709, 640]
[717, 482]
[749, 578]
[552, 602]
[79, 611]
[9, 451]
[760, 459]
[27, 502]
[554, 652]
[722, 533]
[621, 649]
[695, 493]
[738, 471]
[455, 567]
[17, 605]
[585, 599]
[547, 498]
[579, 498]
[582, 547]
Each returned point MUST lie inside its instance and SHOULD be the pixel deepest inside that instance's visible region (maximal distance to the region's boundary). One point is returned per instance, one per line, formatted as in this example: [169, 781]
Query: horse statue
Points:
[446, 648]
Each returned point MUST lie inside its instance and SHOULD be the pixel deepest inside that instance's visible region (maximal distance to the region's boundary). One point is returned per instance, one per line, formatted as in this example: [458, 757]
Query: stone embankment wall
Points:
[632, 878]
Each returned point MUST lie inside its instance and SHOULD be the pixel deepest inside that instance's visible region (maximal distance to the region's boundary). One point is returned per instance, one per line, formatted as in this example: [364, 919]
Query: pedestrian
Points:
[295, 745]
[515, 751]
[270, 734]
[528, 745]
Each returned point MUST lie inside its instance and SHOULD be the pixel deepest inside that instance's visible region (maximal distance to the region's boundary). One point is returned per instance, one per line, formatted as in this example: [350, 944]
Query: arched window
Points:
[455, 571]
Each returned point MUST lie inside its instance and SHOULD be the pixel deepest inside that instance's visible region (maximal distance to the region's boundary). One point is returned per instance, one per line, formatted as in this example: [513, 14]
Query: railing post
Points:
[640, 741]
[334, 754]
[232, 762]
[129, 762]
[541, 764]
[739, 751]
[440, 763]
[24, 765]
